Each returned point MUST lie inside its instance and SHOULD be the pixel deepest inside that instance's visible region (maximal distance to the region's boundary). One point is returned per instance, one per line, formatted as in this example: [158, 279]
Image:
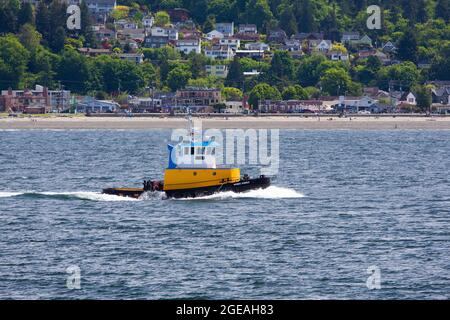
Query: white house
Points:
[172, 33]
[189, 45]
[260, 46]
[231, 42]
[214, 35]
[218, 70]
[133, 57]
[248, 28]
[338, 56]
[219, 52]
[148, 22]
[349, 37]
[320, 45]
[226, 28]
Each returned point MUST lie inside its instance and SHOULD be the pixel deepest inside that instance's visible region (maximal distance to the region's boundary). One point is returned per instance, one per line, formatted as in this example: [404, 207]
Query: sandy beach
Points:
[278, 122]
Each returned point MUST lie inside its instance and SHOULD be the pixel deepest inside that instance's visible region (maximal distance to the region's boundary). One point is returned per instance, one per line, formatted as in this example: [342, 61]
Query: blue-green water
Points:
[342, 201]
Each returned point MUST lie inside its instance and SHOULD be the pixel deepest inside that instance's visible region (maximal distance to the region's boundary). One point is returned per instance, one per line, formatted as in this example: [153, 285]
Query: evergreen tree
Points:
[407, 47]
[235, 77]
[209, 24]
[8, 16]
[443, 9]
[43, 20]
[306, 16]
[288, 22]
[58, 39]
[26, 14]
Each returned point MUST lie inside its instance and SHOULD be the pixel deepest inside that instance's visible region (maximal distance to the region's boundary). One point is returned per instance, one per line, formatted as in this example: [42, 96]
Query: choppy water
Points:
[342, 201]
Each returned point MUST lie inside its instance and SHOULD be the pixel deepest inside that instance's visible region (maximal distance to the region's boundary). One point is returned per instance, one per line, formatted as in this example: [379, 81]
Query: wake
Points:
[271, 192]
[80, 195]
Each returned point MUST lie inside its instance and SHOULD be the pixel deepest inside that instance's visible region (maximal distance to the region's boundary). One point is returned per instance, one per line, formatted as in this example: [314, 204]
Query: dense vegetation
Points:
[36, 48]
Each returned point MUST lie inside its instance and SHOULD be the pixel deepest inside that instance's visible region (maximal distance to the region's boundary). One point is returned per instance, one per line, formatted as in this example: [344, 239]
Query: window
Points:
[186, 150]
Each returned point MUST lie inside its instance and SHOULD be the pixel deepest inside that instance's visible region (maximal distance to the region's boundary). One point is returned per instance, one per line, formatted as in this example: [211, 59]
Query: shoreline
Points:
[267, 122]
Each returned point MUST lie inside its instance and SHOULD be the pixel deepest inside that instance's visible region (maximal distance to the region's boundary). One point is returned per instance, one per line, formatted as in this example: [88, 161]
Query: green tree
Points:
[235, 77]
[209, 24]
[178, 78]
[58, 39]
[162, 19]
[305, 13]
[73, 71]
[295, 92]
[263, 91]
[25, 14]
[308, 71]
[43, 20]
[443, 10]
[336, 81]
[8, 16]
[407, 47]
[281, 67]
[258, 12]
[423, 98]
[288, 22]
[232, 94]
[13, 62]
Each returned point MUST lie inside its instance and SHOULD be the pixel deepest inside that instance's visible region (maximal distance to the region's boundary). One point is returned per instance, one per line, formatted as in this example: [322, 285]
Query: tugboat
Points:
[192, 173]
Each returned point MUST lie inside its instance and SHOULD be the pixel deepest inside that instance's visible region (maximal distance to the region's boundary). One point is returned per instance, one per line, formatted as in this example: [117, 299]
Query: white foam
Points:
[272, 192]
[4, 194]
[86, 195]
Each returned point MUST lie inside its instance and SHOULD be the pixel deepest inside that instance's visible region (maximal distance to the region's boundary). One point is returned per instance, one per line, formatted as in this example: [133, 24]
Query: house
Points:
[156, 42]
[171, 33]
[90, 52]
[226, 28]
[189, 45]
[233, 107]
[148, 22]
[91, 105]
[408, 98]
[178, 15]
[104, 34]
[189, 33]
[307, 36]
[198, 97]
[219, 52]
[389, 48]
[292, 45]
[218, 70]
[350, 37]
[37, 101]
[254, 54]
[233, 43]
[260, 46]
[101, 8]
[441, 95]
[212, 35]
[365, 41]
[277, 36]
[132, 34]
[320, 45]
[338, 56]
[137, 58]
[248, 28]
[247, 32]
[125, 24]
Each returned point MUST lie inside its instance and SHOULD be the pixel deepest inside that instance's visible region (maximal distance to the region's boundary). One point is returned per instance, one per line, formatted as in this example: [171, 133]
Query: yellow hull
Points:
[176, 179]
